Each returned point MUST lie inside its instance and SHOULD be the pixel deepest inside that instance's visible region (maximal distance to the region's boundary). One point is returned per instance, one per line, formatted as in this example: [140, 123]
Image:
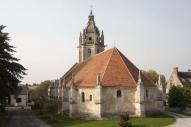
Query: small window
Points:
[89, 51]
[90, 38]
[118, 93]
[83, 96]
[18, 100]
[90, 97]
[147, 93]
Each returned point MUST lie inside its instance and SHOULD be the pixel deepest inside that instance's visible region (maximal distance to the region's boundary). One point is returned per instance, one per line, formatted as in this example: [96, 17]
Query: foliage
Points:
[40, 92]
[179, 97]
[152, 74]
[124, 120]
[11, 72]
[39, 96]
[3, 118]
[124, 116]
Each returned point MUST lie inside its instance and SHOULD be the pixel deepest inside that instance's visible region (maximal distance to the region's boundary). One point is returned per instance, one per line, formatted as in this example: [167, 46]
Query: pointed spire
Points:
[91, 12]
[139, 77]
[72, 79]
[91, 16]
[102, 33]
[98, 79]
[159, 80]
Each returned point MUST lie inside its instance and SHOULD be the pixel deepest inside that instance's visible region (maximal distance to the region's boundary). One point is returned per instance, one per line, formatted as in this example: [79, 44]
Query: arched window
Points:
[147, 93]
[89, 51]
[90, 38]
[90, 97]
[118, 93]
[83, 96]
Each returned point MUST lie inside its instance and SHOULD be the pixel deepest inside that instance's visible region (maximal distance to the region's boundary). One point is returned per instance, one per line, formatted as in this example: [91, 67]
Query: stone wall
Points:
[113, 105]
[153, 101]
[174, 80]
[87, 107]
[110, 105]
[23, 100]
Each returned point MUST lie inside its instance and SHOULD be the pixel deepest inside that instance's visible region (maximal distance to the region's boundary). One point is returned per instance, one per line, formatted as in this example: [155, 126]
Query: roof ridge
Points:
[126, 66]
[107, 65]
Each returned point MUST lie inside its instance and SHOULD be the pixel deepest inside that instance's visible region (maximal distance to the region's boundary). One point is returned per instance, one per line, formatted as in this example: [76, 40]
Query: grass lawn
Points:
[157, 121]
[2, 119]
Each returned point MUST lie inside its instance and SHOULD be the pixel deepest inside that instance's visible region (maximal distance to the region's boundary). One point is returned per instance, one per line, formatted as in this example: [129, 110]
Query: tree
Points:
[40, 93]
[152, 74]
[179, 97]
[11, 72]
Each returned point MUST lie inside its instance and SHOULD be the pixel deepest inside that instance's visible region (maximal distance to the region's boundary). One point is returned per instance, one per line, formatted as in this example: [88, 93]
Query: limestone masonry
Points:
[105, 83]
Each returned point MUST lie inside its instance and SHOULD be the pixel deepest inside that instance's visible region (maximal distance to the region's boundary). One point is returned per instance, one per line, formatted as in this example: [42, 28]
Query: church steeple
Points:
[90, 41]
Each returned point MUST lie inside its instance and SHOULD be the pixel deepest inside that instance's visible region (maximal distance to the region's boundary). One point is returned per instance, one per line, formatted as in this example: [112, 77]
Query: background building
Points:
[21, 99]
[179, 78]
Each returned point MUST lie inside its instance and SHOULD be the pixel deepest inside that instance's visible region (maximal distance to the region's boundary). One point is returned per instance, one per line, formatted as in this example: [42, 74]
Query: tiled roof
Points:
[185, 78]
[114, 69]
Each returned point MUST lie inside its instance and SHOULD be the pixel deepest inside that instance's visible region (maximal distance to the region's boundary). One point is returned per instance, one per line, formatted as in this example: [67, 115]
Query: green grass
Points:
[155, 121]
[2, 119]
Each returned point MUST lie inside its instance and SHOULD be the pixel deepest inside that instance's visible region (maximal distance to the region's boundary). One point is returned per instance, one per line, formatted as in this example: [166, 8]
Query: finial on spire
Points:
[159, 80]
[139, 77]
[98, 79]
[91, 8]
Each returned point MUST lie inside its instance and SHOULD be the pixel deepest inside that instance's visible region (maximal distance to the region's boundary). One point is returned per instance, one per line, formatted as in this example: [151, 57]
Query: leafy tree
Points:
[152, 74]
[39, 93]
[11, 72]
[179, 97]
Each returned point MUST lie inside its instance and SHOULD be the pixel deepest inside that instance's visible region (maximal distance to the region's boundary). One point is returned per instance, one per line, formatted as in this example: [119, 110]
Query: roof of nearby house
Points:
[185, 78]
[114, 69]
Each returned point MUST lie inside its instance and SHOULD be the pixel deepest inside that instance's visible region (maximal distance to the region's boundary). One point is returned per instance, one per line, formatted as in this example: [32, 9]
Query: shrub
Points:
[124, 116]
[124, 120]
[125, 124]
[179, 97]
[51, 120]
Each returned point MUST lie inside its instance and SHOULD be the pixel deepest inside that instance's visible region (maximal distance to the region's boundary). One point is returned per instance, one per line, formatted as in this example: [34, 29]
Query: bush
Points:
[179, 97]
[124, 120]
[124, 116]
[125, 124]
[52, 120]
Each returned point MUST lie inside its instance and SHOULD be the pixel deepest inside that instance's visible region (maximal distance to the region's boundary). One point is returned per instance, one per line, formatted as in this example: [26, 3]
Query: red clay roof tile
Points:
[114, 69]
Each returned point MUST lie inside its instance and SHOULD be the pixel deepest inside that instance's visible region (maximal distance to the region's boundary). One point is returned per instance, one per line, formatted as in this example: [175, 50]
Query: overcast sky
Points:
[153, 34]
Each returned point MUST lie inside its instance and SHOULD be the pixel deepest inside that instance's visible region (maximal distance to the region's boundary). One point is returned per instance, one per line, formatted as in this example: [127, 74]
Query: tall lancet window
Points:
[118, 93]
[83, 97]
[89, 51]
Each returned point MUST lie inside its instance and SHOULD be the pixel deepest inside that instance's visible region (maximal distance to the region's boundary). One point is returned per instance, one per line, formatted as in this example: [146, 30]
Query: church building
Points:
[105, 83]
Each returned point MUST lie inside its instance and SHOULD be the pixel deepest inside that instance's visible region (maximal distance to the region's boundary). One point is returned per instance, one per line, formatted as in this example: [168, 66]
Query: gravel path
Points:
[23, 118]
[181, 120]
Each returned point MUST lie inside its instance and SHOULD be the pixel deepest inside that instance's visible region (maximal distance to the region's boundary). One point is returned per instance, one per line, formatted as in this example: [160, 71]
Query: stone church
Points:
[106, 83]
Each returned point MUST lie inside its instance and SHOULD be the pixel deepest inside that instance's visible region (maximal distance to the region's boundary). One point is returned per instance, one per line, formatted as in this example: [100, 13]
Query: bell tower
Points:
[91, 42]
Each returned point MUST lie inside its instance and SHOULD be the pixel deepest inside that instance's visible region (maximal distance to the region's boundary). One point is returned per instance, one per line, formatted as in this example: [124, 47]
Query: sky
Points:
[153, 34]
